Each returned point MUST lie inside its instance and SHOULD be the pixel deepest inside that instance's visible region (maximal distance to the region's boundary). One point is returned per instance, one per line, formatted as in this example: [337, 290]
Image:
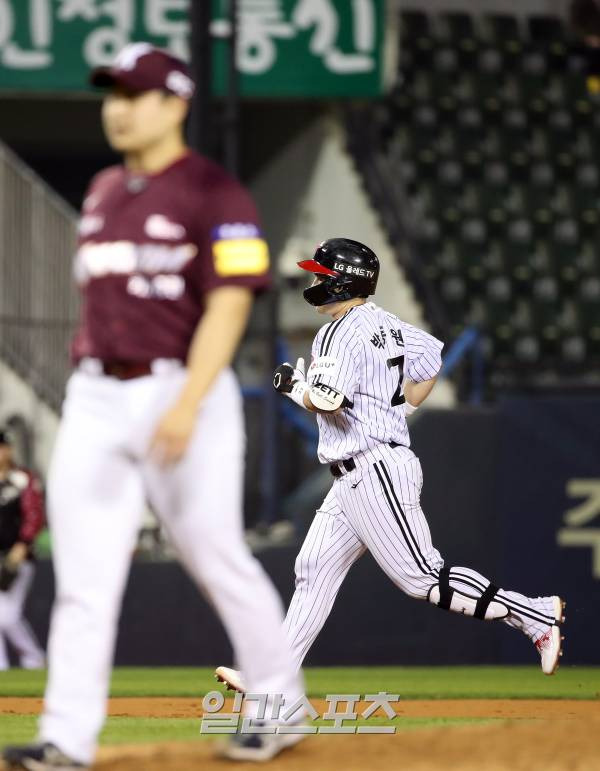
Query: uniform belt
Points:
[123, 369]
[127, 370]
[344, 466]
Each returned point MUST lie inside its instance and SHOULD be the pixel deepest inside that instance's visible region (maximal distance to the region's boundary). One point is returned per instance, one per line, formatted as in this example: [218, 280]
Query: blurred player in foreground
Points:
[170, 255]
[369, 371]
[21, 519]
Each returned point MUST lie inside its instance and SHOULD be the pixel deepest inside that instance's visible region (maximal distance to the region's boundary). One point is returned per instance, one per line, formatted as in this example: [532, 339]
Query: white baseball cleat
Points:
[258, 748]
[232, 679]
[559, 609]
[549, 645]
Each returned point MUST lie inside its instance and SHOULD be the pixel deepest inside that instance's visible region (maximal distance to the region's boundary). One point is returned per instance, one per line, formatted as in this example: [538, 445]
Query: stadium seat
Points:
[504, 33]
[468, 133]
[539, 191]
[546, 308]
[564, 250]
[486, 79]
[527, 350]
[533, 78]
[573, 349]
[588, 309]
[472, 250]
[585, 190]
[453, 291]
[449, 186]
[424, 128]
[574, 87]
[473, 164]
[458, 30]
[519, 254]
[429, 246]
[514, 135]
[416, 36]
[499, 302]
[457, 26]
[445, 76]
[565, 164]
[413, 24]
[493, 191]
[549, 34]
[560, 136]
[400, 105]
[500, 147]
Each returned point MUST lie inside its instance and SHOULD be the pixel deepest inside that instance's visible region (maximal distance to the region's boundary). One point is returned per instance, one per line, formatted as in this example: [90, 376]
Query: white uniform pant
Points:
[13, 626]
[99, 478]
[377, 507]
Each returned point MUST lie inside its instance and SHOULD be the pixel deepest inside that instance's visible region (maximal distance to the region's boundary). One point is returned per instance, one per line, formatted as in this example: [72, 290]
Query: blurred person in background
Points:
[170, 256]
[21, 519]
[585, 20]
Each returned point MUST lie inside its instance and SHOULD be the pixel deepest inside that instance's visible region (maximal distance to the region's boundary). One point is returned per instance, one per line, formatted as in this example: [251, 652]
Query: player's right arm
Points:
[332, 376]
[291, 381]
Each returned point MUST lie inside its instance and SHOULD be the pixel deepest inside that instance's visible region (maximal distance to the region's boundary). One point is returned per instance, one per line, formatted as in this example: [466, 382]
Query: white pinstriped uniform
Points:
[376, 506]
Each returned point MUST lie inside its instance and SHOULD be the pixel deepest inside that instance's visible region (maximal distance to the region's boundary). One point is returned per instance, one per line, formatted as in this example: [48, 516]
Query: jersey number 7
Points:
[398, 397]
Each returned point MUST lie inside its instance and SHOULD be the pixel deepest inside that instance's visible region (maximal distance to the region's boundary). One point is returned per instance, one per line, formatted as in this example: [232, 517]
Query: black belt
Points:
[350, 465]
[127, 370]
[336, 468]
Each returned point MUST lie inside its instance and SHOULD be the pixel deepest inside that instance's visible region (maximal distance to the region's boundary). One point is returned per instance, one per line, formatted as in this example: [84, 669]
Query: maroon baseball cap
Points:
[142, 67]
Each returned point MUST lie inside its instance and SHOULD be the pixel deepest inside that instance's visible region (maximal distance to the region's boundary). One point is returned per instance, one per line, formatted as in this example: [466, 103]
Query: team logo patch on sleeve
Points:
[239, 250]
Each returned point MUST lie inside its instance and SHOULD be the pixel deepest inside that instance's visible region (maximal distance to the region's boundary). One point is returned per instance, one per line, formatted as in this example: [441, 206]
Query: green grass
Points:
[409, 682]
[18, 729]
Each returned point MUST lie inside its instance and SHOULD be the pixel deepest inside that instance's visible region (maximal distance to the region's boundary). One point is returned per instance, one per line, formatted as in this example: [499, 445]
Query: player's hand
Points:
[286, 375]
[17, 554]
[173, 434]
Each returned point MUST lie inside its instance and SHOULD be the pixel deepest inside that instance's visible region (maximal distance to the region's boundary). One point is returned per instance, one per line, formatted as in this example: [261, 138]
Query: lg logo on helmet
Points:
[351, 269]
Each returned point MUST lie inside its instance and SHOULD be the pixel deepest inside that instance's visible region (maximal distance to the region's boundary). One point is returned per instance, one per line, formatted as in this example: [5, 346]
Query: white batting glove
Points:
[300, 370]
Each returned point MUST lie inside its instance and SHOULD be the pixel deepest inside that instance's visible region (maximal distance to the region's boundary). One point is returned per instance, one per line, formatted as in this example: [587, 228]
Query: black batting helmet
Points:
[349, 269]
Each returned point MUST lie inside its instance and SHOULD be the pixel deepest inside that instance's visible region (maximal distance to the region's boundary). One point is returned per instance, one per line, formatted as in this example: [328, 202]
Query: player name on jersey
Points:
[366, 355]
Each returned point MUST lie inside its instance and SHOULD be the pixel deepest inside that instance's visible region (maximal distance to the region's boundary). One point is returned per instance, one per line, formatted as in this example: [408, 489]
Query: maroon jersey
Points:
[151, 246]
[21, 508]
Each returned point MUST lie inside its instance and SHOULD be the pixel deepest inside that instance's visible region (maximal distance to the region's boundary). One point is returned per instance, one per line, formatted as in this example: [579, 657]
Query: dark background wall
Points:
[495, 495]
[67, 153]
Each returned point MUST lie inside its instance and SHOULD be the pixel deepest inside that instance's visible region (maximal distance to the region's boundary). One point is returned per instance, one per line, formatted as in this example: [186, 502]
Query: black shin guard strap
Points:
[484, 601]
[446, 591]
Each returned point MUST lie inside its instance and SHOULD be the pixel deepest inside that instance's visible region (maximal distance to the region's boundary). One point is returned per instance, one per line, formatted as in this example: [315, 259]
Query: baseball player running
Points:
[170, 254]
[369, 371]
[21, 519]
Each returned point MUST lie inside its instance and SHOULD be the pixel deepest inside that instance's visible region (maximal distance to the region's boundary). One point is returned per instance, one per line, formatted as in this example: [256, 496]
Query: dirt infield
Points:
[553, 735]
[420, 708]
[533, 746]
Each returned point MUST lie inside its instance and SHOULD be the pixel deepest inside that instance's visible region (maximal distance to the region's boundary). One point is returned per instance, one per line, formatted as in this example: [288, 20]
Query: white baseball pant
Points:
[377, 507]
[13, 626]
[99, 478]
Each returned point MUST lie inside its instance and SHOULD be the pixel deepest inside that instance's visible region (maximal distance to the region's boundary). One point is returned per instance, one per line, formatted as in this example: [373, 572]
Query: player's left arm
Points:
[215, 342]
[416, 393]
[424, 361]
